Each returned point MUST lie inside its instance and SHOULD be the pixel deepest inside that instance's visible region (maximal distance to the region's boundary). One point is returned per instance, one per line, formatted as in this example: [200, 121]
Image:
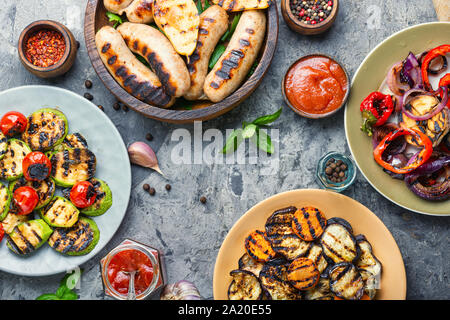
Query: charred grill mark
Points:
[66, 162]
[37, 236]
[112, 60]
[144, 50]
[250, 31]
[203, 31]
[28, 246]
[329, 248]
[157, 66]
[43, 138]
[135, 44]
[106, 47]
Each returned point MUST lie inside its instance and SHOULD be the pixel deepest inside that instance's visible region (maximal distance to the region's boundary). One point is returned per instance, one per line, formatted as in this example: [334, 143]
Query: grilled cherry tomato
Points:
[36, 166]
[13, 123]
[83, 194]
[2, 232]
[25, 199]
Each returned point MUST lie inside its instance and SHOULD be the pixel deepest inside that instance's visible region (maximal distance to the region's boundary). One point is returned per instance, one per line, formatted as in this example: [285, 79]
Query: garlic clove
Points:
[143, 155]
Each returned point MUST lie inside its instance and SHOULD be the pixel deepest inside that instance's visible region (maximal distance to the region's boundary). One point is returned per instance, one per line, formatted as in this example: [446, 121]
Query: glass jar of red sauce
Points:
[133, 256]
[315, 86]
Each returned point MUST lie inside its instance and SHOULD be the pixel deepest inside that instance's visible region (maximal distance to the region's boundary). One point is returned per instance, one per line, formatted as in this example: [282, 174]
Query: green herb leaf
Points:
[142, 60]
[218, 51]
[70, 295]
[61, 291]
[233, 141]
[261, 121]
[199, 6]
[114, 17]
[71, 279]
[227, 35]
[207, 5]
[48, 296]
[264, 142]
[252, 69]
[249, 131]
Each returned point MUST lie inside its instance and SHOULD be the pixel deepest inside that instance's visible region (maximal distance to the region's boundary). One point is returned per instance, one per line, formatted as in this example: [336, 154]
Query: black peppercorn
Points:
[146, 187]
[152, 191]
[203, 200]
[149, 137]
[88, 84]
[168, 187]
[89, 96]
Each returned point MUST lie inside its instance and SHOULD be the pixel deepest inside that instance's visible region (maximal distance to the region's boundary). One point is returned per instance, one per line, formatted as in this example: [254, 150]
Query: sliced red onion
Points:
[411, 73]
[393, 80]
[437, 65]
[427, 116]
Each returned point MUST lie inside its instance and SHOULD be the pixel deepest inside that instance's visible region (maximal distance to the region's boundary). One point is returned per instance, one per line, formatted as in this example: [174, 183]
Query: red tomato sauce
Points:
[126, 261]
[316, 85]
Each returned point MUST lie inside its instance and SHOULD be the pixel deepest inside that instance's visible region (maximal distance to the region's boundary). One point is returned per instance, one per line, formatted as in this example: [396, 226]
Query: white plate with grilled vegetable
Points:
[82, 145]
[309, 244]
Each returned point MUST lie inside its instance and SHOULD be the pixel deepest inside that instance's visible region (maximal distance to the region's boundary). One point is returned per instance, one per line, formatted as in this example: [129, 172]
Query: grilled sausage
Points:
[213, 24]
[160, 54]
[116, 6]
[235, 63]
[140, 11]
[131, 74]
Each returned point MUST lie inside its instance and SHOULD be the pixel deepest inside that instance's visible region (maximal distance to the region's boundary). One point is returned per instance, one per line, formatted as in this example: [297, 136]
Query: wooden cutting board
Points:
[442, 9]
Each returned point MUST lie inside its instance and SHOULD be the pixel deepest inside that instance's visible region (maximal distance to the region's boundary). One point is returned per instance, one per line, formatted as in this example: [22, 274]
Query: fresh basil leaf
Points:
[252, 69]
[207, 5]
[142, 60]
[227, 35]
[264, 142]
[218, 51]
[61, 291]
[249, 131]
[48, 296]
[70, 295]
[114, 17]
[199, 6]
[233, 141]
[268, 118]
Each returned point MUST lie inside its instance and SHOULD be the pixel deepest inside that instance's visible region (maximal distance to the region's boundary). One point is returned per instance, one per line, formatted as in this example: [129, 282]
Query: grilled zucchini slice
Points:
[11, 164]
[338, 243]
[3, 145]
[28, 236]
[308, 223]
[5, 201]
[78, 240]
[273, 278]
[245, 286]
[72, 141]
[321, 291]
[281, 235]
[103, 201]
[315, 253]
[46, 128]
[72, 165]
[13, 220]
[60, 213]
[346, 282]
[303, 273]
[45, 189]
[258, 247]
[248, 264]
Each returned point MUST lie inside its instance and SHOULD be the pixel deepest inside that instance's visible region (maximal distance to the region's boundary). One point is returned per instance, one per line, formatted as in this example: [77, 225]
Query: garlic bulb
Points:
[143, 155]
[181, 290]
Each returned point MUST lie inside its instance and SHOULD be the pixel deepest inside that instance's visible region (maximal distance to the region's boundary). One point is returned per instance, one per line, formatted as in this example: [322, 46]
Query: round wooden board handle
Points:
[442, 8]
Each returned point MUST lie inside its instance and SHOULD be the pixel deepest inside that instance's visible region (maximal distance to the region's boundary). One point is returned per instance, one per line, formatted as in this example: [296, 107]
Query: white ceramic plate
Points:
[113, 166]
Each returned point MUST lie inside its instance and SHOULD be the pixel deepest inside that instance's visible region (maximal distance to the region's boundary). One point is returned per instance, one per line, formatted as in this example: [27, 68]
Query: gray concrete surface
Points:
[190, 233]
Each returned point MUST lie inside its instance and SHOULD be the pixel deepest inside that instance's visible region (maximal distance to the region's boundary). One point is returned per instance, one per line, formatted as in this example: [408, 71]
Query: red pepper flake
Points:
[45, 48]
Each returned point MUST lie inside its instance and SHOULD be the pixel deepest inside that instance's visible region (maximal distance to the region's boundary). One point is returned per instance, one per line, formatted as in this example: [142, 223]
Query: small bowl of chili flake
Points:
[47, 48]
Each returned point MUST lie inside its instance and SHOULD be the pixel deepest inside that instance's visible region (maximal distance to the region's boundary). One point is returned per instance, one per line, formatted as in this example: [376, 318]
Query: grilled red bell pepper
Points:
[445, 82]
[376, 109]
[434, 53]
[2, 232]
[422, 157]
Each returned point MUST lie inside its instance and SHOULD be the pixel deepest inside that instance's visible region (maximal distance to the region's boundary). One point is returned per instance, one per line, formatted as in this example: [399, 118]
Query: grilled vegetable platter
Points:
[397, 118]
[178, 53]
[303, 255]
[309, 245]
[40, 155]
[408, 121]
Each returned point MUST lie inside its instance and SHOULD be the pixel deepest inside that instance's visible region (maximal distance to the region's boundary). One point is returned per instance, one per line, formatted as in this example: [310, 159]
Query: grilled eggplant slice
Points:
[321, 291]
[3, 145]
[346, 282]
[13, 220]
[338, 243]
[103, 201]
[28, 236]
[245, 286]
[258, 247]
[45, 189]
[60, 213]
[281, 235]
[46, 128]
[248, 264]
[5, 201]
[315, 253]
[78, 240]
[309, 223]
[367, 261]
[273, 278]
[303, 273]
[371, 283]
[72, 166]
[11, 164]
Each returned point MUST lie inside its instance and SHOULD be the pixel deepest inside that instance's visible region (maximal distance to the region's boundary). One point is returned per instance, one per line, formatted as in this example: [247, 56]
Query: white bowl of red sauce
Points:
[316, 86]
[47, 48]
